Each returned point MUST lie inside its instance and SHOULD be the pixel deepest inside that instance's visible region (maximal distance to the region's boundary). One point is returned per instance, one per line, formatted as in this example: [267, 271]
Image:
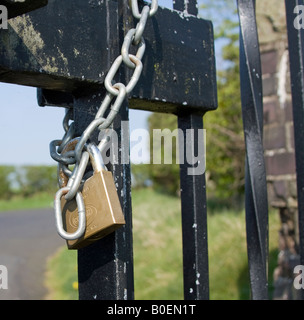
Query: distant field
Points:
[42, 200]
[158, 253]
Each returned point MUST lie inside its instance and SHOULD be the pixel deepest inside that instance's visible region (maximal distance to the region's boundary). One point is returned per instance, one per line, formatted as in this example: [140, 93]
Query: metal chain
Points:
[61, 150]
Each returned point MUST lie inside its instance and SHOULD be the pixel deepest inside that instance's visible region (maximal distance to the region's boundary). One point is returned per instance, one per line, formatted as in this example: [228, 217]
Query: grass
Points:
[41, 200]
[158, 253]
[229, 278]
[157, 246]
[61, 275]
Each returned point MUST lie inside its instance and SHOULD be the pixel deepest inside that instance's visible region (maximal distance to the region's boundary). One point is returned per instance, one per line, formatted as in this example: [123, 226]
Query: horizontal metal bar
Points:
[77, 52]
[17, 8]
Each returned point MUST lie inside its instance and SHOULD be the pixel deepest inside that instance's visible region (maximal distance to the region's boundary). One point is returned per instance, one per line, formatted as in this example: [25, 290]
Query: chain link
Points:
[71, 151]
[135, 9]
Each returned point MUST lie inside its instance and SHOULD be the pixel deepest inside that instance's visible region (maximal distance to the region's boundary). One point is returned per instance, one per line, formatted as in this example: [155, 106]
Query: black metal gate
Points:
[252, 106]
[105, 268]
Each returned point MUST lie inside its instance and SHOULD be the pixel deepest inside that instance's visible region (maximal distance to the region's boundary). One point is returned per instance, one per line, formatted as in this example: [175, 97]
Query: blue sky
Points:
[27, 129]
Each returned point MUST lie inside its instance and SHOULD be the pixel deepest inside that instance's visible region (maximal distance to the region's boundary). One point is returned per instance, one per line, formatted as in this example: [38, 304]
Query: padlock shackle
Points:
[81, 215]
[95, 158]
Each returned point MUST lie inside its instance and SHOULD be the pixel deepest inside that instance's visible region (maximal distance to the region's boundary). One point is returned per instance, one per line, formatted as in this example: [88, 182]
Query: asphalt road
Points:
[27, 239]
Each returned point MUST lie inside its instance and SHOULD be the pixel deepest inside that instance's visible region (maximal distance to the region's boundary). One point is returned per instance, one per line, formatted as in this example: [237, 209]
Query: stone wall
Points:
[279, 139]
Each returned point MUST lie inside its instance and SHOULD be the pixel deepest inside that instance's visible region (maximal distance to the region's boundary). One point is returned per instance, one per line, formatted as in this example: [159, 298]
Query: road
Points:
[27, 239]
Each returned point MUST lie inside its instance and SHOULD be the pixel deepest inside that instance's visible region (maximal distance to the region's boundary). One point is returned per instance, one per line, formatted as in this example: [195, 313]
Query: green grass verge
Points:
[61, 275]
[41, 200]
[158, 253]
[228, 266]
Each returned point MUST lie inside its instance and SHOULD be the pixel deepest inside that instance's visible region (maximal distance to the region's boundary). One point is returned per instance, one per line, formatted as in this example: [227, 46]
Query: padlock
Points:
[102, 206]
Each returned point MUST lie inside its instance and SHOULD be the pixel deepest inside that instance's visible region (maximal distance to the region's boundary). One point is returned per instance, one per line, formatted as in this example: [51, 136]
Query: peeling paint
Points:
[34, 42]
[64, 59]
[50, 65]
[32, 39]
[188, 85]
[23, 26]
[76, 52]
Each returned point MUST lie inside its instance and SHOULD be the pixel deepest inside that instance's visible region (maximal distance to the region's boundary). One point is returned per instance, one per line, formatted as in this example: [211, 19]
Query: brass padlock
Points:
[102, 207]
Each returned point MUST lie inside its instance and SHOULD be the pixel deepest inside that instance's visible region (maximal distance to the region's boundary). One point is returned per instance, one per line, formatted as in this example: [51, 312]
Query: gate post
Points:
[194, 217]
[193, 202]
[105, 268]
[70, 62]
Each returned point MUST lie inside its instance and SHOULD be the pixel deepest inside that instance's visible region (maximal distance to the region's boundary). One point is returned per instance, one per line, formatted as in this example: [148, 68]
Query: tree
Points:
[41, 178]
[165, 177]
[141, 177]
[35, 179]
[5, 183]
[224, 138]
[225, 141]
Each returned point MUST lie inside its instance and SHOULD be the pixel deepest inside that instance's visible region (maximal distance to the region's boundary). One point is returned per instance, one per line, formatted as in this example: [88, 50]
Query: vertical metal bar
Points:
[193, 202]
[192, 7]
[179, 5]
[296, 58]
[256, 187]
[194, 215]
[189, 6]
[105, 268]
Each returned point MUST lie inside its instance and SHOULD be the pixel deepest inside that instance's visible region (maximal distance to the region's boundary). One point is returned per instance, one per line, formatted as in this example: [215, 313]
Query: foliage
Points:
[225, 142]
[19, 202]
[164, 176]
[218, 11]
[35, 179]
[5, 190]
[140, 175]
[27, 181]
[224, 139]
[158, 253]
[61, 275]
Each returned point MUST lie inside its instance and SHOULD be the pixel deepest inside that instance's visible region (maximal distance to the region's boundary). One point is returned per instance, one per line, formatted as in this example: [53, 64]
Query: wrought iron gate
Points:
[32, 53]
